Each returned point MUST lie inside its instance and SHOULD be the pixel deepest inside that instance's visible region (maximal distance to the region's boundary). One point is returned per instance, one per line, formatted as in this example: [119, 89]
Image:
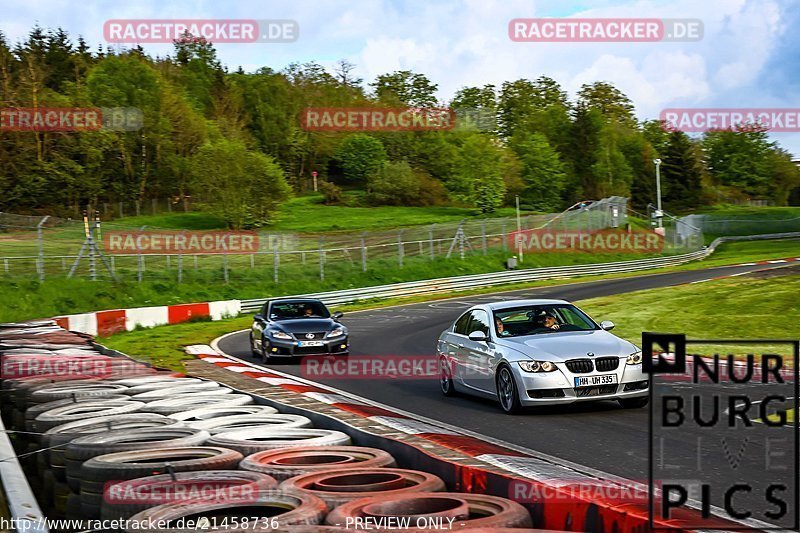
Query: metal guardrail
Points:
[432, 286]
[21, 502]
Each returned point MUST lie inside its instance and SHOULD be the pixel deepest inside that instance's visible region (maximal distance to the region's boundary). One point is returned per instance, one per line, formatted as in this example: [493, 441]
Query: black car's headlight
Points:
[338, 332]
[281, 335]
[635, 358]
[537, 366]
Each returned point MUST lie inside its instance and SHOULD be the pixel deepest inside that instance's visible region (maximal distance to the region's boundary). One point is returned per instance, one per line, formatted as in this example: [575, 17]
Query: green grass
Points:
[309, 215]
[164, 345]
[733, 308]
[195, 220]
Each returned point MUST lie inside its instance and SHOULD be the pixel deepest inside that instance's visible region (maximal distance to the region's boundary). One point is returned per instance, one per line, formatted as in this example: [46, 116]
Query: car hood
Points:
[562, 346]
[303, 325]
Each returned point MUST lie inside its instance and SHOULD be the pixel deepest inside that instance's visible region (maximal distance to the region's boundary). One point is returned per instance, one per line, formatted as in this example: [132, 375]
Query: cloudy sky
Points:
[748, 56]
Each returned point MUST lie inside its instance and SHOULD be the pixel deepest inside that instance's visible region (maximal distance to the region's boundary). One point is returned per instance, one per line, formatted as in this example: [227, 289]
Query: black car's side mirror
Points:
[337, 315]
[258, 316]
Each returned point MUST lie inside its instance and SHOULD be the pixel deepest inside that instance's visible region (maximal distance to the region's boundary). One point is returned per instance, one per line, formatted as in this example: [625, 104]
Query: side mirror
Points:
[477, 336]
[337, 315]
[607, 325]
[258, 317]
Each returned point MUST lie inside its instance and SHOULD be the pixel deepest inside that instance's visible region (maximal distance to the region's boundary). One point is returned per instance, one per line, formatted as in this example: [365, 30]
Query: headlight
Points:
[338, 332]
[635, 358]
[281, 335]
[537, 366]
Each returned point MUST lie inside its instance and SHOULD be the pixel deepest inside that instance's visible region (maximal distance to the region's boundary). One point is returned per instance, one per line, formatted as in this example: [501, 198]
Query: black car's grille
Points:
[606, 364]
[583, 392]
[310, 350]
[317, 336]
[580, 366]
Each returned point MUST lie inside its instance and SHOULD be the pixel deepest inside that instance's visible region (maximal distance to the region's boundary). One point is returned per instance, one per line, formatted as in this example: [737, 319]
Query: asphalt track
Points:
[601, 435]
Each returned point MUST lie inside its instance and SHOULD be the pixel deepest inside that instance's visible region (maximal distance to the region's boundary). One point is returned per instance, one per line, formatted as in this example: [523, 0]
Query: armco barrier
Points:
[104, 323]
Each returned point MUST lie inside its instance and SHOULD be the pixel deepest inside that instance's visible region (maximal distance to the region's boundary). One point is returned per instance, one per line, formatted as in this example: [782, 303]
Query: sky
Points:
[748, 56]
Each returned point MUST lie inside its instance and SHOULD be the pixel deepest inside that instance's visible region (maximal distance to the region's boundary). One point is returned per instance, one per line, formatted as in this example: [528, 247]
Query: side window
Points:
[479, 322]
[462, 323]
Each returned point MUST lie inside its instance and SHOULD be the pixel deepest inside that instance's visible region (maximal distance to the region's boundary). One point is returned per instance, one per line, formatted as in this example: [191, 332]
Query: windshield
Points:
[541, 319]
[290, 310]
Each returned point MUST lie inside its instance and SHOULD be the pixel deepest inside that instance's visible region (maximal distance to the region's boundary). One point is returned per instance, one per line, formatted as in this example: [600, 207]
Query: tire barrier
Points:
[283, 464]
[160, 393]
[79, 411]
[54, 440]
[83, 448]
[138, 386]
[175, 405]
[224, 424]
[250, 441]
[125, 499]
[465, 510]
[32, 412]
[336, 487]
[207, 413]
[274, 508]
[167, 378]
[97, 472]
[58, 392]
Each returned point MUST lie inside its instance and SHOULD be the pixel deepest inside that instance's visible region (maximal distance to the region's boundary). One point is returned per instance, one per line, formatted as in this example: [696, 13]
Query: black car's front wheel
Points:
[264, 354]
[507, 391]
[253, 351]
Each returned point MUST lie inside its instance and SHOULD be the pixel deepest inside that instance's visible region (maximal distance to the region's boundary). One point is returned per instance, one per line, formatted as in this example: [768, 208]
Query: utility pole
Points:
[314, 175]
[659, 213]
[519, 230]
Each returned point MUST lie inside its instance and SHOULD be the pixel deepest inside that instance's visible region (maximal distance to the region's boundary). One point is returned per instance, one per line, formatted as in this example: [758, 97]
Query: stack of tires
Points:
[150, 446]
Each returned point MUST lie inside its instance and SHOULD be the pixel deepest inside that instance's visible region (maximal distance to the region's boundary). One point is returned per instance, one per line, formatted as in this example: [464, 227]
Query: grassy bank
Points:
[733, 308]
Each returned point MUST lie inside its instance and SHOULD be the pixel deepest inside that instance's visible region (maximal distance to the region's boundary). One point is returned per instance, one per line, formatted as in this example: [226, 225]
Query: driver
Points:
[501, 330]
[308, 311]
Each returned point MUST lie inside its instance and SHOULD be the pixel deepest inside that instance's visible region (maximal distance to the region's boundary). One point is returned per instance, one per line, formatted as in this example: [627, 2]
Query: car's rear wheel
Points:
[634, 403]
[446, 378]
[507, 391]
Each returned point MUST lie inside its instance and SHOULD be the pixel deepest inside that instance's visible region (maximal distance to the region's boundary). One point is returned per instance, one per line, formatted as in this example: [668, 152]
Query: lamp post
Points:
[659, 213]
[519, 230]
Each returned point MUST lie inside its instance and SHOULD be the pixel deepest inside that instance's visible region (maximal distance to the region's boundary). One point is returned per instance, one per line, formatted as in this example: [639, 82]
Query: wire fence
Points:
[780, 222]
[49, 247]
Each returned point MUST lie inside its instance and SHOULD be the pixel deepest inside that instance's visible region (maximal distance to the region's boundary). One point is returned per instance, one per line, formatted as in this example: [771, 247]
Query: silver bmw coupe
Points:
[539, 352]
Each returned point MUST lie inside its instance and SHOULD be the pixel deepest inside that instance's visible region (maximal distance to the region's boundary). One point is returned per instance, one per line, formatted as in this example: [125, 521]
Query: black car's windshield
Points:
[290, 310]
[540, 319]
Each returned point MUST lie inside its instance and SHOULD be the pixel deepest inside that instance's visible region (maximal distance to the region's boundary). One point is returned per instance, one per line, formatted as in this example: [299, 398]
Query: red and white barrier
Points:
[104, 323]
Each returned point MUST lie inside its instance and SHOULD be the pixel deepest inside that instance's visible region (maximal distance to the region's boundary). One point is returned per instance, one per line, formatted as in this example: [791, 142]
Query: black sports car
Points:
[297, 327]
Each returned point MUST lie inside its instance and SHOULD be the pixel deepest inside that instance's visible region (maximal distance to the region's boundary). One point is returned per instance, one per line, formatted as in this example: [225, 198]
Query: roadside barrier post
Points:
[400, 248]
[430, 241]
[276, 261]
[321, 259]
[40, 262]
[483, 235]
[364, 252]
[180, 268]
[503, 236]
[225, 266]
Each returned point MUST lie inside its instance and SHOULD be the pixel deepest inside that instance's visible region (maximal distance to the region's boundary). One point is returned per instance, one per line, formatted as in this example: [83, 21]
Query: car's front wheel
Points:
[263, 354]
[507, 391]
[446, 378]
[253, 350]
[634, 403]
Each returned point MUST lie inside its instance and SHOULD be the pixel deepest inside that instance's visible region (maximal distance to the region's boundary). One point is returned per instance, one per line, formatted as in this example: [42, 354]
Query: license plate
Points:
[593, 381]
[310, 343]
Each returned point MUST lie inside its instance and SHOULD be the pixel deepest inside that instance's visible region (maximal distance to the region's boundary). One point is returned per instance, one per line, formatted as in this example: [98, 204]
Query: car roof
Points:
[295, 300]
[510, 304]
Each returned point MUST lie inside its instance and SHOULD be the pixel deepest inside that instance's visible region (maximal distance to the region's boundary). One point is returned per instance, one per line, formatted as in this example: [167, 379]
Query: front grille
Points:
[318, 335]
[310, 350]
[607, 364]
[580, 366]
[583, 392]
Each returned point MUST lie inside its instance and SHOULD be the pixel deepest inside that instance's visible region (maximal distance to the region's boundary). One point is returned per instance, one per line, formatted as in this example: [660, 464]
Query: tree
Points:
[360, 156]
[405, 87]
[394, 183]
[612, 103]
[740, 160]
[243, 188]
[680, 173]
[542, 172]
[478, 178]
